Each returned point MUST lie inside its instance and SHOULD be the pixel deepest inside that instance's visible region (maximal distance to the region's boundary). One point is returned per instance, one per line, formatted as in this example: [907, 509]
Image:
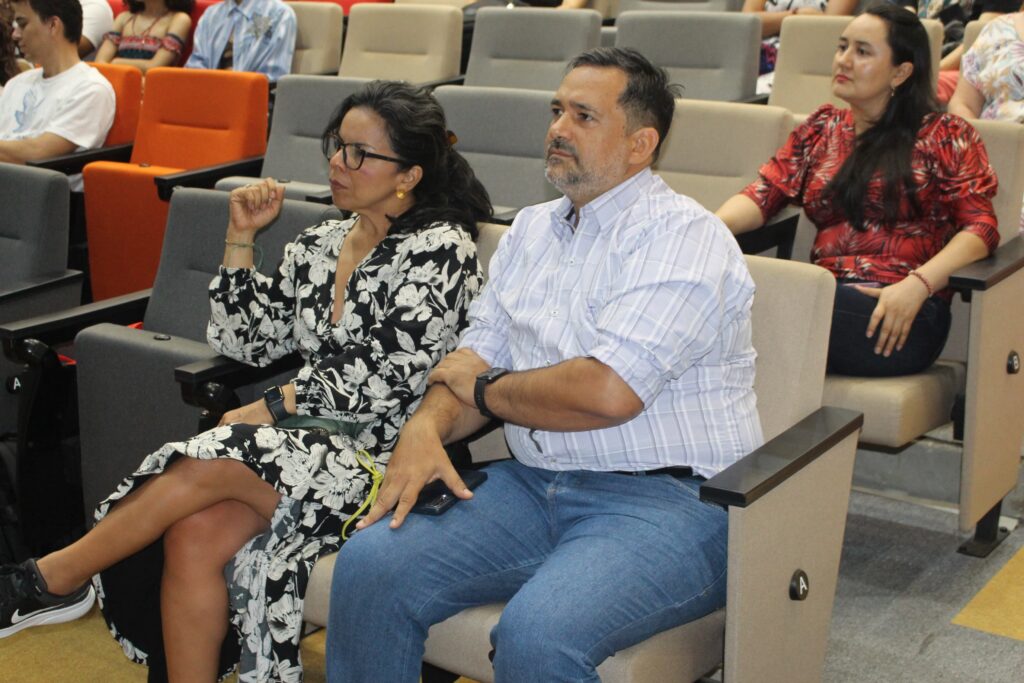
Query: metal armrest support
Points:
[207, 176]
[40, 284]
[76, 161]
[64, 325]
[759, 472]
[988, 272]
[778, 233]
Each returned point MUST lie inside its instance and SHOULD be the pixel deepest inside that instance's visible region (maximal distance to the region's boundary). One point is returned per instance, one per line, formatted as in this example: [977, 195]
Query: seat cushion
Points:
[897, 410]
[461, 643]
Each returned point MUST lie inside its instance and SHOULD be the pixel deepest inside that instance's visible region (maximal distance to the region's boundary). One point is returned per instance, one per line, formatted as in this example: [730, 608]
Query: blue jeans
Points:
[589, 562]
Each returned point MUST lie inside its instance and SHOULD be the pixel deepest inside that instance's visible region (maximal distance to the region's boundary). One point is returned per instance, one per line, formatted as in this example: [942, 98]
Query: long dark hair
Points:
[8, 62]
[416, 128]
[887, 146]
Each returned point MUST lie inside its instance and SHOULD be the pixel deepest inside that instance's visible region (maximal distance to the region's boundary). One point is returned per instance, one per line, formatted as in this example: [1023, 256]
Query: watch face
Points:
[492, 374]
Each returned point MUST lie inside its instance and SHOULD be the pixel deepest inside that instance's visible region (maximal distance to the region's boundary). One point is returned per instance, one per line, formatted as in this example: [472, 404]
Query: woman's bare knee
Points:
[211, 537]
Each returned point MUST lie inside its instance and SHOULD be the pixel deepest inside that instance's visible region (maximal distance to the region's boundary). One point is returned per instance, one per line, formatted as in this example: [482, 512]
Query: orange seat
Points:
[127, 84]
[190, 118]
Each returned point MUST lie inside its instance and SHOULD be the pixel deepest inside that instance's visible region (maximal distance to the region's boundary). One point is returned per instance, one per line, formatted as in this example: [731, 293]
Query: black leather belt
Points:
[674, 471]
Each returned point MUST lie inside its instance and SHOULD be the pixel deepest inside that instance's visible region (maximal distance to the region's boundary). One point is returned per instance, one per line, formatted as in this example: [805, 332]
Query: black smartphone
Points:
[435, 498]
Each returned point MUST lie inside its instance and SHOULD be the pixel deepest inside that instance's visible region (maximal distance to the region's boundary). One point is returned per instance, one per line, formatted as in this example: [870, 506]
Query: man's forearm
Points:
[576, 395]
[442, 411]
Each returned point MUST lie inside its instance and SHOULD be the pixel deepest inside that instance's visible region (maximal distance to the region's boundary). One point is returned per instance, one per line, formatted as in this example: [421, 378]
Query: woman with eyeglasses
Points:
[201, 558]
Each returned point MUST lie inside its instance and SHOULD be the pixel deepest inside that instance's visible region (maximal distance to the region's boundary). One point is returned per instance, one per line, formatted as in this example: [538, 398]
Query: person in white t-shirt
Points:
[97, 21]
[61, 106]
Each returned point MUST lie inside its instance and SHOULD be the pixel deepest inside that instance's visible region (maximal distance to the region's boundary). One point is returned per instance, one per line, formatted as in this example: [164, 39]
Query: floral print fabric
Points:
[995, 67]
[404, 308]
[955, 186]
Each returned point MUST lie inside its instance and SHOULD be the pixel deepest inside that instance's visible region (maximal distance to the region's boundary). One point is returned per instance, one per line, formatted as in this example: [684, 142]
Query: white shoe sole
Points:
[56, 616]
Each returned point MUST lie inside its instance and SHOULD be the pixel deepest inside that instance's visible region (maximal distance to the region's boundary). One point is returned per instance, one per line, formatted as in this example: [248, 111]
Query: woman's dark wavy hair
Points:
[8, 62]
[418, 133]
[886, 147]
[186, 6]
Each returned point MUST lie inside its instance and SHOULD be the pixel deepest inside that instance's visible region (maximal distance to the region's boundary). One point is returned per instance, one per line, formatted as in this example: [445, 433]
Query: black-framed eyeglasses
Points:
[352, 154]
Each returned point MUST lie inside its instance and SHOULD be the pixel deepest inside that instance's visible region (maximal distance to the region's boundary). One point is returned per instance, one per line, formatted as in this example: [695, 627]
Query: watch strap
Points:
[482, 380]
[274, 398]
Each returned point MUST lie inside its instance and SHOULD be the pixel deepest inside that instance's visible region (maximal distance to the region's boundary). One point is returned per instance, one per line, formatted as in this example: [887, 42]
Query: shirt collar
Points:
[246, 8]
[604, 209]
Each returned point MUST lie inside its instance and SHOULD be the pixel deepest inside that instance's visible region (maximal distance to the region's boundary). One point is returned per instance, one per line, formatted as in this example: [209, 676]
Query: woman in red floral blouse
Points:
[901, 196]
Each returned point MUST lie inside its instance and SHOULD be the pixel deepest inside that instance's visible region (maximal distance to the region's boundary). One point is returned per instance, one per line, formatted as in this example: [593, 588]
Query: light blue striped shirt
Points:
[652, 285]
[263, 42]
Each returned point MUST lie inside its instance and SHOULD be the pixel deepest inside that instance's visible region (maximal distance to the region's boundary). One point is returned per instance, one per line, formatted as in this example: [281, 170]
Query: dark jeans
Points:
[850, 352]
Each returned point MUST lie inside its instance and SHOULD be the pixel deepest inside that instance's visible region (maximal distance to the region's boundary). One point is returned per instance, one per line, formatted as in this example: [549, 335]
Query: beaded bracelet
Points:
[924, 281]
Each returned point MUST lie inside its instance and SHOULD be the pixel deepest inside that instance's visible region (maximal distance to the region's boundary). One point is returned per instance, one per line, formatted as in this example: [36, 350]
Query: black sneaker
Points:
[25, 602]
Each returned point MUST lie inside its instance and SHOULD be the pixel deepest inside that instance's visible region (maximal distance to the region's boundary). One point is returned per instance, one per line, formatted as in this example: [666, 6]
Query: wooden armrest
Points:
[759, 472]
[988, 272]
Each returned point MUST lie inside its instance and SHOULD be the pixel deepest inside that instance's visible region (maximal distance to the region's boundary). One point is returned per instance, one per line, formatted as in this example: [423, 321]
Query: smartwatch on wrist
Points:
[274, 398]
[482, 380]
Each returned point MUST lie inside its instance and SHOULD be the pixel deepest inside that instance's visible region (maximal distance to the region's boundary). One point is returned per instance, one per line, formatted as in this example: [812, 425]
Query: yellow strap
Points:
[365, 461]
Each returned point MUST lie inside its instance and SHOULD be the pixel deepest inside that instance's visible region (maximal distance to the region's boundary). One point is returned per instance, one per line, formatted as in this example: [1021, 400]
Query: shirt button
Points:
[554, 313]
[547, 362]
[572, 262]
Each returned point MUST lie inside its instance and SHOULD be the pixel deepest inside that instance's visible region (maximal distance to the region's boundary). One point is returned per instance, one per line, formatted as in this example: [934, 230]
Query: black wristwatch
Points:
[482, 380]
[274, 398]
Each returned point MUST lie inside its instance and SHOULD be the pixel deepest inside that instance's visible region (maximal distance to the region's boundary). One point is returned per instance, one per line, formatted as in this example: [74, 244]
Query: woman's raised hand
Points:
[253, 207]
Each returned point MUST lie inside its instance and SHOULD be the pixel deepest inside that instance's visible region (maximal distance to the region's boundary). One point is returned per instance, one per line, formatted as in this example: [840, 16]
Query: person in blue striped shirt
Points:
[614, 341]
[245, 35]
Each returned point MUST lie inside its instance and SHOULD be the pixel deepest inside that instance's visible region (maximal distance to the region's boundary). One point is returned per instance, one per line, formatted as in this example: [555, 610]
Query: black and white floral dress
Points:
[405, 306]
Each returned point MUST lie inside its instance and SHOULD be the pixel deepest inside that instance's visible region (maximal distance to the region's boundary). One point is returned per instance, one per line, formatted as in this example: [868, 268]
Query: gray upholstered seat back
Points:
[714, 149]
[680, 5]
[713, 55]
[193, 250]
[33, 223]
[501, 133]
[528, 48]
[302, 109]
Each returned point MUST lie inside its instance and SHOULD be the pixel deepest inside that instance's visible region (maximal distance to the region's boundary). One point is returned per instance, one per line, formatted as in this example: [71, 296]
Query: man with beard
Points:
[614, 341]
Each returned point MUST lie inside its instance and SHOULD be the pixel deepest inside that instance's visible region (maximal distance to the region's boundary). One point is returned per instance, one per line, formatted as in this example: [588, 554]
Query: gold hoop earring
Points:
[400, 194]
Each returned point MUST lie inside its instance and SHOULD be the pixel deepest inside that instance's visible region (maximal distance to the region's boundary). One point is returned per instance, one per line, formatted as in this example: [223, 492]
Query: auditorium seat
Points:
[318, 37]
[415, 43]
[976, 382]
[528, 47]
[787, 510]
[803, 70]
[712, 55]
[510, 164]
[303, 106]
[190, 118]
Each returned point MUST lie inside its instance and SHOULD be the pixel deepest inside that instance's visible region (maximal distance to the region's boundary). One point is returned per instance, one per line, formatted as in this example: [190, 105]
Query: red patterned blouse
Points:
[955, 188]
